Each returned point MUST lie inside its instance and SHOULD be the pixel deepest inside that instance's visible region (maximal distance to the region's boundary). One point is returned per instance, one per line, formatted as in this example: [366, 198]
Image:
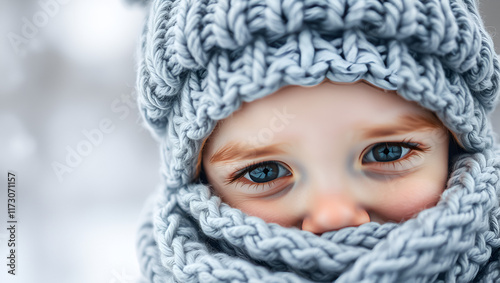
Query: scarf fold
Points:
[197, 238]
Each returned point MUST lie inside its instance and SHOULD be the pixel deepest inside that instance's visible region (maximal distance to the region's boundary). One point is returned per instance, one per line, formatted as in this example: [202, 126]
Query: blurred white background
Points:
[77, 70]
[66, 79]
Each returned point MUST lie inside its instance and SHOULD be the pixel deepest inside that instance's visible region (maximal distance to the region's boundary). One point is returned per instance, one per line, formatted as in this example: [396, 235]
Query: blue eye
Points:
[265, 172]
[387, 152]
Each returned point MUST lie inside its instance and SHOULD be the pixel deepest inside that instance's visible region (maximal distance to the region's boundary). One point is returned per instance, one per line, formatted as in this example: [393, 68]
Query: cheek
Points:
[411, 197]
[272, 211]
[416, 192]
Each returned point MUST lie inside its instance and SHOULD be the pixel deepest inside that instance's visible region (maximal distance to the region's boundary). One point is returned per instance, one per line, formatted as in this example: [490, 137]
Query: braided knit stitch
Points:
[200, 60]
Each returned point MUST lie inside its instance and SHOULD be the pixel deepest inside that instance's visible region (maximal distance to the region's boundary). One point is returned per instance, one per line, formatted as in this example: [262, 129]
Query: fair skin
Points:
[327, 157]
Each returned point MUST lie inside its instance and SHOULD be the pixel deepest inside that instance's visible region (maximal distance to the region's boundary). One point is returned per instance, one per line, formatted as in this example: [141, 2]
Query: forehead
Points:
[330, 107]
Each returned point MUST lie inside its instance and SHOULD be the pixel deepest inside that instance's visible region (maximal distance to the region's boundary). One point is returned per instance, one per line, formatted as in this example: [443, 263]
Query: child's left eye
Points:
[388, 152]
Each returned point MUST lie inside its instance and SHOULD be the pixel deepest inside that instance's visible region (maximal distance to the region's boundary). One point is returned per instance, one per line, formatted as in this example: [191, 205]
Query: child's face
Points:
[330, 156]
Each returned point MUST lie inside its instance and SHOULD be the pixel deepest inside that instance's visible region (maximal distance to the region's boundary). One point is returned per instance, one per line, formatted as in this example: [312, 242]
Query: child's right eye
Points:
[259, 174]
[265, 172]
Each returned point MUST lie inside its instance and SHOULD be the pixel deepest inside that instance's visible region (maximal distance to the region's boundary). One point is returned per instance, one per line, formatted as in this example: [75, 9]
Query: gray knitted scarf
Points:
[200, 59]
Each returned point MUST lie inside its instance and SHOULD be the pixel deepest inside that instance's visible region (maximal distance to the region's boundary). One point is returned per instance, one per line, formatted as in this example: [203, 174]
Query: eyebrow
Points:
[238, 151]
[404, 124]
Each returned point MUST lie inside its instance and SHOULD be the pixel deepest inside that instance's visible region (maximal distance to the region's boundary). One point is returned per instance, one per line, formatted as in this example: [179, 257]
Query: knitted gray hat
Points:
[201, 59]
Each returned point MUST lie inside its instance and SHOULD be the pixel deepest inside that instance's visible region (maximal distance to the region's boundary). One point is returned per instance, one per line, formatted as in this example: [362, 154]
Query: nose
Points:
[332, 212]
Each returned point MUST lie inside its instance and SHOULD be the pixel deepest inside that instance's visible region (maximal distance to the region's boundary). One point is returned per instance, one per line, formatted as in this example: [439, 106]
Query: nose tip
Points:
[334, 213]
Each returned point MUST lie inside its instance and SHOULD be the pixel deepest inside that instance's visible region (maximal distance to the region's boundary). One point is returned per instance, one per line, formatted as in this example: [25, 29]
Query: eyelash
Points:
[415, 149]
[250, 167]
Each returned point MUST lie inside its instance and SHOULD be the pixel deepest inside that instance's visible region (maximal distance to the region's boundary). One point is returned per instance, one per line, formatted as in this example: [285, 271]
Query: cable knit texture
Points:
[201, 59]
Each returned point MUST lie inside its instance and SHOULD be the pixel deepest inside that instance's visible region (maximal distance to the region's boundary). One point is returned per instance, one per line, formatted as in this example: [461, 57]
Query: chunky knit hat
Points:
[200, 59]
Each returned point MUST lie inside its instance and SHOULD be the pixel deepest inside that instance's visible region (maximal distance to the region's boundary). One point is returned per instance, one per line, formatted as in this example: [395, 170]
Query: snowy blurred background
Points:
[70, 130]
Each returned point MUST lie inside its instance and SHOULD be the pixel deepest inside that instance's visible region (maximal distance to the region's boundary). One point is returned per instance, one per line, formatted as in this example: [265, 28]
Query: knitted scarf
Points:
[201, 59]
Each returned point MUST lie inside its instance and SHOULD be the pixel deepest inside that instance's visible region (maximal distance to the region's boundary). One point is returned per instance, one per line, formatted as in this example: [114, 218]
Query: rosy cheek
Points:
[271, 211]
[404, 203]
